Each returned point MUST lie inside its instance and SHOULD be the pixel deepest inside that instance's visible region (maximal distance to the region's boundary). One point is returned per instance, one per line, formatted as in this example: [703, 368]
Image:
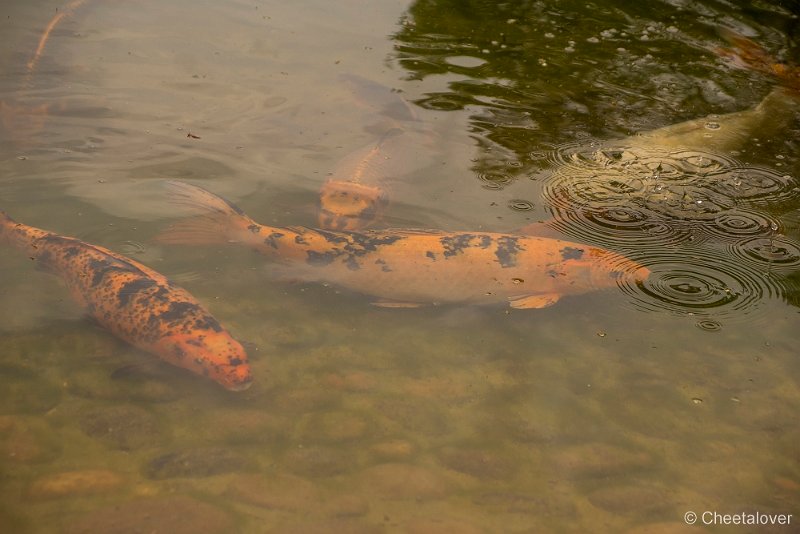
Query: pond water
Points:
[617, 410]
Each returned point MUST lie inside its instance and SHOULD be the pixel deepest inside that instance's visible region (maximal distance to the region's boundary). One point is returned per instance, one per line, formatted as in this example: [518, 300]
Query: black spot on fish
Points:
[177, 311]
[71, 252]
[254, 228]
[134, 286]
[319, 259]
[207, 322]
[456, 244]
[350, 246]
[272, 239]
[300, 239]
[384, 266]
[431, 255]
[507, 250]
[235, 361]
[571, 253]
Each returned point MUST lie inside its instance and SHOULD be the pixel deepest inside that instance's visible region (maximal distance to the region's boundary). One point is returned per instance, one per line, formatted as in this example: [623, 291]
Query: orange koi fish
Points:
[408, 268]
[136, 304]
[23, 121]
[354, 196]
[747, 54]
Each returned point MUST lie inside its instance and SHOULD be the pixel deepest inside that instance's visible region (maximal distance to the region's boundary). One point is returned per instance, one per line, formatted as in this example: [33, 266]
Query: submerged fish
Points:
[136, 304]
[734, 131]
[406, 268]
[355, 195]
[21, 121]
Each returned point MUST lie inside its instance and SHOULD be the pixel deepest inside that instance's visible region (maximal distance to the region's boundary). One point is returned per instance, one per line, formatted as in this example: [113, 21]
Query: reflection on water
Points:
[612, 411]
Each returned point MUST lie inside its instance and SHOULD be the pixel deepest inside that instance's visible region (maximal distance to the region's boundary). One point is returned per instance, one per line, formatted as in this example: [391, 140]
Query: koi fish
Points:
[733, 131]
[23, 121]
[409, 268]
[135, 303]
[354, 197]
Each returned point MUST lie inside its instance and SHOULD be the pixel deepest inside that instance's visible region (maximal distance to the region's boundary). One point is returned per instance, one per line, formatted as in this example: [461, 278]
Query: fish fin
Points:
[217, 219]
[542, 300]
[396, 304]
[200, 200]
[194, 231]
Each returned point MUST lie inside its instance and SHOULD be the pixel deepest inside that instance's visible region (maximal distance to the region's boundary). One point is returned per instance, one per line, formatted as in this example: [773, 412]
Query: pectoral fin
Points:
[533, 301]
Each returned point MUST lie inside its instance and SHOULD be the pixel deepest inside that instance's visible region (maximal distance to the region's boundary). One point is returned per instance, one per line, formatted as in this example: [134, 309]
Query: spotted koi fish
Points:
[136, 304]
[408, 268]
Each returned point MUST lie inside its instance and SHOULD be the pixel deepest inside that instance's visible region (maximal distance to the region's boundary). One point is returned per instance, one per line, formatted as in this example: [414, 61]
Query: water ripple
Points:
[697, 220]
[705, 284]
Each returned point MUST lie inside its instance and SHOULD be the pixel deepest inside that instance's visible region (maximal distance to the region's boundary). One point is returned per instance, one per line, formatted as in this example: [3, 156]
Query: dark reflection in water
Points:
[698, 202]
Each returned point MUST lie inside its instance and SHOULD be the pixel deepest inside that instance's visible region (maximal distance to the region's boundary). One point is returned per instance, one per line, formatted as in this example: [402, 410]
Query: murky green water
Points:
[613, 411]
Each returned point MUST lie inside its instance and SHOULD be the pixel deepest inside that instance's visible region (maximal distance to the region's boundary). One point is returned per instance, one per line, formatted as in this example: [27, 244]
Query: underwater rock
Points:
[195, 463]
[350, 381]
[334, 426]
[346, 506]
[397, 449]
[25, 392]
[478, 463]
[404, 481]
[71, 483]
[27, 441]
[598, 460]
[174, 514]
[635, 499]
[552, 504]
[121, 427]
[274, 491]
[318, 461]
[121, 386]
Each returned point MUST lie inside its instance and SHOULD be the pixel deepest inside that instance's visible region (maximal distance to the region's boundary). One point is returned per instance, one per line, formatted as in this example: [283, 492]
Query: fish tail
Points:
[219, 221]
[16, 234]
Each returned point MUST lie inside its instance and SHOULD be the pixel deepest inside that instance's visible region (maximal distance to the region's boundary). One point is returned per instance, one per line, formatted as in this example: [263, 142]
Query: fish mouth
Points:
[240, 386]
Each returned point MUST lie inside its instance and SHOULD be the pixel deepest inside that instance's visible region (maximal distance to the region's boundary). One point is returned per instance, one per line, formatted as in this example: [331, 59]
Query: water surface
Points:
[611, 411]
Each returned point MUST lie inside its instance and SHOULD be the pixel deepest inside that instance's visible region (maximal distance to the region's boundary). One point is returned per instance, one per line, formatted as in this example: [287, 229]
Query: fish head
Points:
[210, 353]
[349, 206]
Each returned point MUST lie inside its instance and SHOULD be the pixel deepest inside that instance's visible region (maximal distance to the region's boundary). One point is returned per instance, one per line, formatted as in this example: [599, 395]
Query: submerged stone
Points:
[72, 483]
[172, 514]
[121, 427]
[195, 463]
[404, 481]
[318, 461]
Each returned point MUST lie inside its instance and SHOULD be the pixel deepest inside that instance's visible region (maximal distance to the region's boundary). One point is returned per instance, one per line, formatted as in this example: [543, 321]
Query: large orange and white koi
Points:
[406, 268]
[136, 304]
